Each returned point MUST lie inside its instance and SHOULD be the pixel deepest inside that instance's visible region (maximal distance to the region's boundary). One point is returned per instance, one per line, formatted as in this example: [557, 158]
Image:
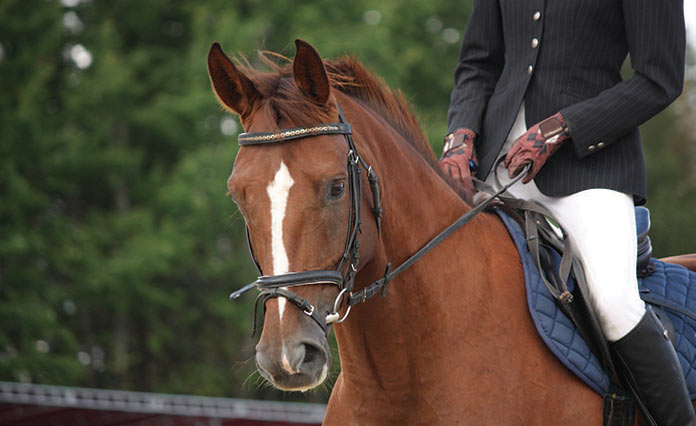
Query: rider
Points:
[541, 81]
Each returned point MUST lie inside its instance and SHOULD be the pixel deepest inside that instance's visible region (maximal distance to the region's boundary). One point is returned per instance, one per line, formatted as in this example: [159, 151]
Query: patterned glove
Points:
[459, 159]
[536, 146]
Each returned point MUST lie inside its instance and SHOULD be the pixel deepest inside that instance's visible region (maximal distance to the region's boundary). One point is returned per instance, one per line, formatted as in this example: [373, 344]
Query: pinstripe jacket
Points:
[566, 55]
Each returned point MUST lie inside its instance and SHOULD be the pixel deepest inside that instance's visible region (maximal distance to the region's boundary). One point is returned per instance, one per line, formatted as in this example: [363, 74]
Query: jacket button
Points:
[600, 145]
[536, 15]
[530, 69]
[591, 148]
[535, 42]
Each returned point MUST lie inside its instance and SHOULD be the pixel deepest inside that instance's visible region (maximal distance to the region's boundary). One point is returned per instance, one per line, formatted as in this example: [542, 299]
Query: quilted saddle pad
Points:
[672, 287]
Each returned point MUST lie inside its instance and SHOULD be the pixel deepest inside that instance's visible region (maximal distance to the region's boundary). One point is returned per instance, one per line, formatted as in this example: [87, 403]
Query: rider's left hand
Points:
[536, 146]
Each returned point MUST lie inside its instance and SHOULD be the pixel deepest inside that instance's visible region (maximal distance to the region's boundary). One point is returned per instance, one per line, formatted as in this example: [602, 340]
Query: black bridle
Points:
[276, 285]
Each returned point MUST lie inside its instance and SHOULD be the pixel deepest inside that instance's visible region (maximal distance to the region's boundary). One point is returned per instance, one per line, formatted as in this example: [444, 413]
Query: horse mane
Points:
[346, 75]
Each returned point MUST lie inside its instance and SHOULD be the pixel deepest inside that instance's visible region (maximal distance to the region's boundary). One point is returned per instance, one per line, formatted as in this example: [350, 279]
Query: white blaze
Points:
[278, 191]
[286, 362]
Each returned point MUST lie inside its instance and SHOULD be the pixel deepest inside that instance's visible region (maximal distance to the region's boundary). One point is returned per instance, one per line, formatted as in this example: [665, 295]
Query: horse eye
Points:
[337, 188]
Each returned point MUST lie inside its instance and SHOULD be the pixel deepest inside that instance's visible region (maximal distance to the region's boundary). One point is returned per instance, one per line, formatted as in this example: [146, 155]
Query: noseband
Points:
[277, 285]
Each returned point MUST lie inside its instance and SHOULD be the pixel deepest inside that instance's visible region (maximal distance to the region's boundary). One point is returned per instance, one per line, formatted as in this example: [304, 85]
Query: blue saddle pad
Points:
[564, 340]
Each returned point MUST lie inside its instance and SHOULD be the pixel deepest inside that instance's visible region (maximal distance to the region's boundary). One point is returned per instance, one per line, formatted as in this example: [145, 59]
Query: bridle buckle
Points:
[310, 312]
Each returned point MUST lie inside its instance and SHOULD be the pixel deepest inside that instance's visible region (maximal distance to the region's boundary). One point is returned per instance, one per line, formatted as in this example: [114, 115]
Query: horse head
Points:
[295, 195]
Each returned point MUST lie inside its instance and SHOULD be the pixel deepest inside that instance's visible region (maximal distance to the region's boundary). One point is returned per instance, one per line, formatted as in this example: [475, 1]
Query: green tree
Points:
[32, 221]
[670, 151]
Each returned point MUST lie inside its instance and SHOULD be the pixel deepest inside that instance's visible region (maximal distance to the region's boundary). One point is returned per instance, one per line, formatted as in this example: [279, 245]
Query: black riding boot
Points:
[651, 364]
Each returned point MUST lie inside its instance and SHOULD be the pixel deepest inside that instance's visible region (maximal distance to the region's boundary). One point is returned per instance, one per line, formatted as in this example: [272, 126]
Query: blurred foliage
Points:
[669, 140]
[118, 247]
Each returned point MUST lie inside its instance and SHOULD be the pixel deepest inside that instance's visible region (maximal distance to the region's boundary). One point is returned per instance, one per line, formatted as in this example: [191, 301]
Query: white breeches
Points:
[602, 226]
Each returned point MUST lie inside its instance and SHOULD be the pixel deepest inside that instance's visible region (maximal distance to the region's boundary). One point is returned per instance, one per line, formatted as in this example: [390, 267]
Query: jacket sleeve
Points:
[656, 39]
[481, 61]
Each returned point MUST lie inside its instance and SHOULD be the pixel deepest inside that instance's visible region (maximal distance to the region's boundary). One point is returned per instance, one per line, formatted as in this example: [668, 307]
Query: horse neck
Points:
[417, 205]
[408, 183]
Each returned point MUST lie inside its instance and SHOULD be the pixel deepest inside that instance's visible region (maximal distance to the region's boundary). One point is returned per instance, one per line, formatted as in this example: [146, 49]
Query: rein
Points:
[277, 285]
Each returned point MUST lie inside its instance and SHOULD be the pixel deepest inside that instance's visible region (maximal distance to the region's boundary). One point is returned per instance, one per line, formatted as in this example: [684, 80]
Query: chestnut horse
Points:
[452, 342]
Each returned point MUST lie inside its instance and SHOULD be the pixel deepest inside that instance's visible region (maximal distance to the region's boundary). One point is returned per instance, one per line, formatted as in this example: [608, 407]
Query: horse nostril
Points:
[312, 355]
[311, 352]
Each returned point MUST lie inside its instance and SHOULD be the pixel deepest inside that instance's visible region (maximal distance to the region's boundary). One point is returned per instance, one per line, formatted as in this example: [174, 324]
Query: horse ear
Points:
[233, 89]
[310, 74]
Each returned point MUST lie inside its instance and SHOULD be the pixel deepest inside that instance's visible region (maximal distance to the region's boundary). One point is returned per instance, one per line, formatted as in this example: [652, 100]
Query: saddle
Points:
[556, 300]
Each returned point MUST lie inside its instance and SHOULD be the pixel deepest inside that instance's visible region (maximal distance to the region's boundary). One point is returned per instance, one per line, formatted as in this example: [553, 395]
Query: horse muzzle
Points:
[297, 366]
